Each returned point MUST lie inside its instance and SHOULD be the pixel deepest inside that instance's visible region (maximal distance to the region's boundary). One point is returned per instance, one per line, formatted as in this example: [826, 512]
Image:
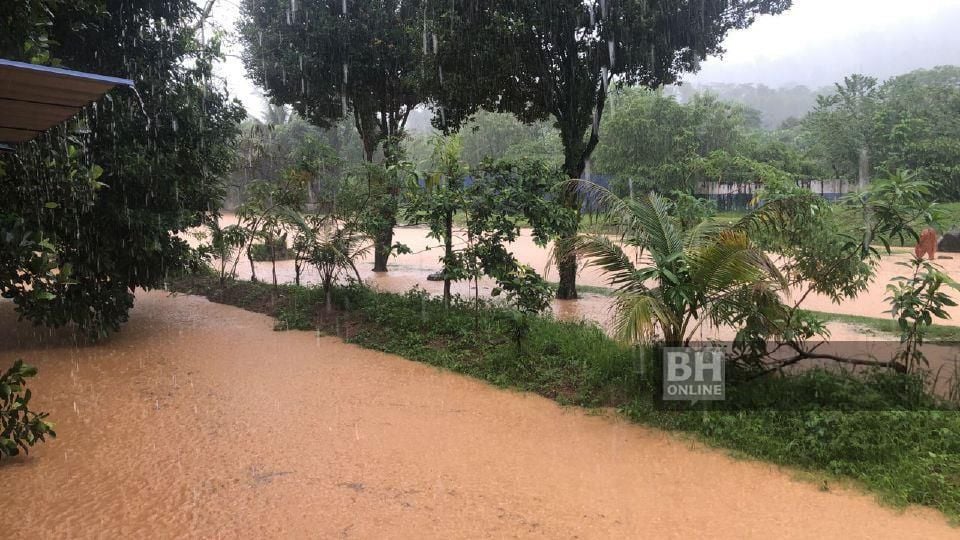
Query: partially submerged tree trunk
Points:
[381, 250]
[273, 262]
[576, 152]
[253, 269]
[448, 255]
[376, 128]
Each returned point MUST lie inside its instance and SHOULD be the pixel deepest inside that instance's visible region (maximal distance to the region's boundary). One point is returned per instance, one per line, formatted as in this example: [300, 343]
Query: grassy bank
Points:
[886, 326]
[906, 448]
[936, 332]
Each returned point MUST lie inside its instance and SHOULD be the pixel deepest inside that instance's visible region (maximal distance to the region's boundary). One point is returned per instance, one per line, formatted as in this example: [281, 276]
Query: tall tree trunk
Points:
[574, 165]
[381, 249]
[576, 153]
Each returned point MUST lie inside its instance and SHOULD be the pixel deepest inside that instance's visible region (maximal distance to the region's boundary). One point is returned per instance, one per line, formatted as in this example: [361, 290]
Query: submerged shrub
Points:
[20, 428]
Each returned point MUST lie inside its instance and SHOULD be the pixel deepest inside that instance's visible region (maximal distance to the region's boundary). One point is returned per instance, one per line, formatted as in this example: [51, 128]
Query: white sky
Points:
[815, 43]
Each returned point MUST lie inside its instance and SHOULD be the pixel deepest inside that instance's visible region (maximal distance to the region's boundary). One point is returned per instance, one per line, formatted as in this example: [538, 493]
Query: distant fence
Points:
[740, 196]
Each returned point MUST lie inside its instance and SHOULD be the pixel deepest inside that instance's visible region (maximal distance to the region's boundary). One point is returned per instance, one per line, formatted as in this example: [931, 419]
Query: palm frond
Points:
[701, 233]
[780, 213]
[652, 218]
[602, 252]
[731, 261]
[639, 315]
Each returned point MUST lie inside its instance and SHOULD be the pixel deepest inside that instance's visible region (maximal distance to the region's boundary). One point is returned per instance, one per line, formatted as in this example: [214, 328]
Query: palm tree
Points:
[333, 246]
[681, 276]
[338, 248]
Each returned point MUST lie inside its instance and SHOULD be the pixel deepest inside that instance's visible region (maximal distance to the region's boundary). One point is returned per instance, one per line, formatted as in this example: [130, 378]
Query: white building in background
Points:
[739, 196]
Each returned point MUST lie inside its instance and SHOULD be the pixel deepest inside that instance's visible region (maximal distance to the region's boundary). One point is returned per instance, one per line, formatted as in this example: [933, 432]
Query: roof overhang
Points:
[36, 98]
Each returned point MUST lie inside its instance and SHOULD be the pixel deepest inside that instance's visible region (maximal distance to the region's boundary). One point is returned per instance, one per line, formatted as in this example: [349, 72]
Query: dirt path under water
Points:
[199, 420]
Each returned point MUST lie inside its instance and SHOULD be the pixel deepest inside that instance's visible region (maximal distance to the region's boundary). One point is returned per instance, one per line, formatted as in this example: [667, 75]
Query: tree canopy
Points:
[556, 59]
[107, 195]
[332, 58]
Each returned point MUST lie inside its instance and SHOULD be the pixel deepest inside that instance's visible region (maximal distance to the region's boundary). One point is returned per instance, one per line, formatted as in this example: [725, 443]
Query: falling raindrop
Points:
[426, 38]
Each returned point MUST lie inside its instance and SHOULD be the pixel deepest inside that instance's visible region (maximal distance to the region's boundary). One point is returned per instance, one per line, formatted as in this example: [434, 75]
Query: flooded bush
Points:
[20, 428]
[271, 250]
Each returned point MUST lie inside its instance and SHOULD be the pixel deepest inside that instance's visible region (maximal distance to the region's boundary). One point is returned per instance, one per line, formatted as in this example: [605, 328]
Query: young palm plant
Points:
[336, 252]
[680, 277]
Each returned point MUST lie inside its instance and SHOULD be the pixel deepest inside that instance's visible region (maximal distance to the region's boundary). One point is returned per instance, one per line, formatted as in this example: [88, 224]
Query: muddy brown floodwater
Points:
[198, 420]
[407, 271]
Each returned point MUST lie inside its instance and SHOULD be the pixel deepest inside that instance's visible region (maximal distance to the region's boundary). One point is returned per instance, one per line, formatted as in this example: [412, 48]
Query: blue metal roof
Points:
[36, 98]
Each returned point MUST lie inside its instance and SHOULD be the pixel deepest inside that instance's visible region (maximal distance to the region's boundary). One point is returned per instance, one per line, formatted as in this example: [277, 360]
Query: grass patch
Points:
[589, 289]
[882, 432]
[936, 332]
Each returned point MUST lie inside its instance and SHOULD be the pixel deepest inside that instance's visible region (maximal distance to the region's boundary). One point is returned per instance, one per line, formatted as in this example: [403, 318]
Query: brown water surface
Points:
[198, 420]
[407, 271]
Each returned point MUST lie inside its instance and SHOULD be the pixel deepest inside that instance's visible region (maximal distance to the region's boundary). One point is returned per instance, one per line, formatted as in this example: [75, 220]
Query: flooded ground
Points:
[199, 420]
[407, 271]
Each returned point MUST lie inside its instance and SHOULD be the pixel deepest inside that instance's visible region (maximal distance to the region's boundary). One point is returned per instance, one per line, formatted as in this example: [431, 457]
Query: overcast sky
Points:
[815, 43]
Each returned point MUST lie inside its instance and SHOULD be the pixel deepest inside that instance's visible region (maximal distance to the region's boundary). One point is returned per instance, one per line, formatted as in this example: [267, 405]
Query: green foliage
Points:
[689, 210]
[528, 294]
[223, 242]
[20, 428]
[375, 194]
[329, 60]
[29, 32]
[501, 197]
[657, 143]
[112, 197]
[273, 249]
[650, 139]
[824, 248]
[557, 59]
[690, 274]
[562, 70]
[920, 127]
[263, 217]
[905, 456]
[907, 122]
[334, 248]
[843, 125]
[914, 302]
[269, 151]
[775, 106]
